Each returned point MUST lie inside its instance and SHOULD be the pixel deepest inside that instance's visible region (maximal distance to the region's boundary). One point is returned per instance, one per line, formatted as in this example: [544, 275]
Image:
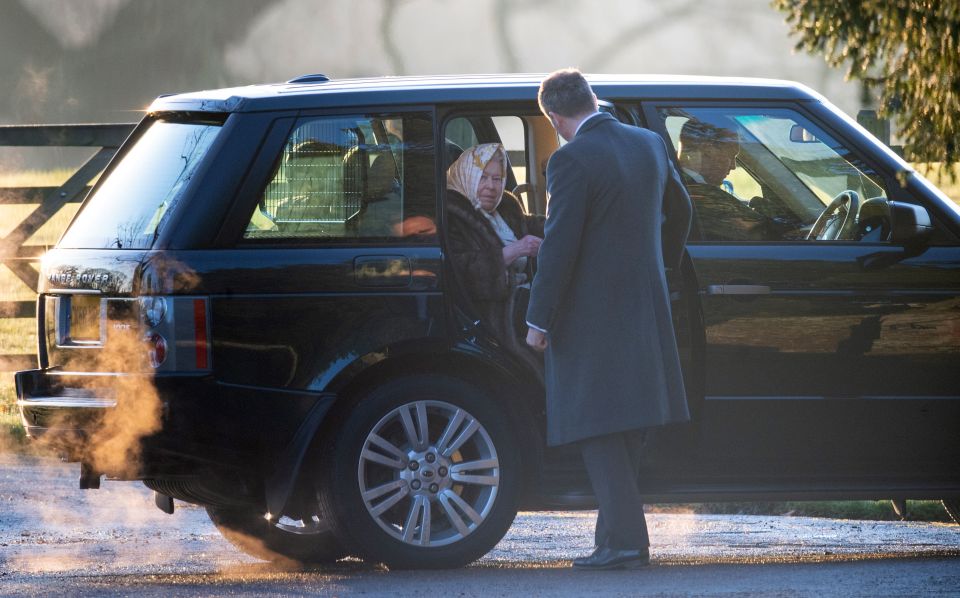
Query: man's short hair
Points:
[699, 132]
[567, 93]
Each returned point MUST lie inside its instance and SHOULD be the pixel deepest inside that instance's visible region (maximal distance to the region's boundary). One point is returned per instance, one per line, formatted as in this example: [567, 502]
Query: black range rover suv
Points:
[253, 312]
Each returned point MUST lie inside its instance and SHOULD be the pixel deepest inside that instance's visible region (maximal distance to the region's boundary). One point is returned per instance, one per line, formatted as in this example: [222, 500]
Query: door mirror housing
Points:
[911, 223]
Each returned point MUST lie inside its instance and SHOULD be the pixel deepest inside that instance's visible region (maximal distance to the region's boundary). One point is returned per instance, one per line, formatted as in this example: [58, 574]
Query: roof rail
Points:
[314, 78]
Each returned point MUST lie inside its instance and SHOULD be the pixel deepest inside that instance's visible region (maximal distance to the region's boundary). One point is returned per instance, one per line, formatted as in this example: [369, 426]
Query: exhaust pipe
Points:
[89, 477]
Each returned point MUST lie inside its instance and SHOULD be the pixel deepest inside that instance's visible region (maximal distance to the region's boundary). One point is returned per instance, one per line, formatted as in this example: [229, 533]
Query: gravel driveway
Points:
[51, 531]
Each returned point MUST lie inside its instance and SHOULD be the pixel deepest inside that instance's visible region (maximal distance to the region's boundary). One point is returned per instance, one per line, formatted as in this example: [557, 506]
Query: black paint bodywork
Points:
[842, 379]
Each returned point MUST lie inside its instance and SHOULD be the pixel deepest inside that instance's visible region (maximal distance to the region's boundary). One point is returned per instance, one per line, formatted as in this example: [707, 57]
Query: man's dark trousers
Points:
[612, 461]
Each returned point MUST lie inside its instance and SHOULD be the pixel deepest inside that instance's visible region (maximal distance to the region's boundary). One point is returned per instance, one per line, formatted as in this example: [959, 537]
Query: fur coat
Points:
[477, 256]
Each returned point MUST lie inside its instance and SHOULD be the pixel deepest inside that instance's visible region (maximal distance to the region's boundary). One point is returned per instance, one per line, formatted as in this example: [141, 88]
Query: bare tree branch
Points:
[386, 34]
[622, 40]
[504, 12]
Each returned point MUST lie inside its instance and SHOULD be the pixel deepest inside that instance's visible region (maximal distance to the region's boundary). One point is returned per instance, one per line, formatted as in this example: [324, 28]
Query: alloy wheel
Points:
[428, 473]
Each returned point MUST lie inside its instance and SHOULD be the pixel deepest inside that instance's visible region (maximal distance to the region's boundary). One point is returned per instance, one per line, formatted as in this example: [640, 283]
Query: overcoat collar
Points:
[509, 208]
[594, 121]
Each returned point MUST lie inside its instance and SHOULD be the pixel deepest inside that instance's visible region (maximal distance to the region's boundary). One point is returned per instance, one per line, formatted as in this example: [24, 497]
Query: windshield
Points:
[130, 207]
[817, 160]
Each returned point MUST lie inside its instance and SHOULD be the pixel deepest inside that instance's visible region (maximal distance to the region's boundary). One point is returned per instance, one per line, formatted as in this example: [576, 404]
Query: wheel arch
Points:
[522, 392]
[465, 361]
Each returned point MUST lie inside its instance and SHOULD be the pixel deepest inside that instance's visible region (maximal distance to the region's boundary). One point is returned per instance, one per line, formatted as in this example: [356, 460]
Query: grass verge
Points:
[13, 439]
[18, 336]
[873, 510]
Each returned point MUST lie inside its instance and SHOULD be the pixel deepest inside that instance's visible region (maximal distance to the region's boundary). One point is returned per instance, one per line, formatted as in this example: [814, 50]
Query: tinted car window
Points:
[460, 131]
[363, 177]
[762, 174]
[131, 206]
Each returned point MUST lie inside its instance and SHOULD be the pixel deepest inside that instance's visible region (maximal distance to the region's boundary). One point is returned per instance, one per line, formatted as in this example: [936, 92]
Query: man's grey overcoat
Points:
[617, 214]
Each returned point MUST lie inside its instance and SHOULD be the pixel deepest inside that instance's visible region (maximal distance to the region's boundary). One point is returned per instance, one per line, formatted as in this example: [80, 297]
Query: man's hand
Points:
[536, 339]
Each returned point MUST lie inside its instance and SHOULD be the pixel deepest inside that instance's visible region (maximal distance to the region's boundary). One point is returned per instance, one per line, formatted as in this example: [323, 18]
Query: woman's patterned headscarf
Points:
[463, 176]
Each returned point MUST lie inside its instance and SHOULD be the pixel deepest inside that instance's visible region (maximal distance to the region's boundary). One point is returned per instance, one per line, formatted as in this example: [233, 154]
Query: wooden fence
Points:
[21, 258]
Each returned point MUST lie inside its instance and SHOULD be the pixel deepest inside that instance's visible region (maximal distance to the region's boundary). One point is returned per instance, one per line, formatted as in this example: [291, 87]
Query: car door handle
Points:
[738, 289]
[382, 271]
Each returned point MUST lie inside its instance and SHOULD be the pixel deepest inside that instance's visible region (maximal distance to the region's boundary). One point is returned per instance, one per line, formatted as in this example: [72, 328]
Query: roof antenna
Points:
[314, 78]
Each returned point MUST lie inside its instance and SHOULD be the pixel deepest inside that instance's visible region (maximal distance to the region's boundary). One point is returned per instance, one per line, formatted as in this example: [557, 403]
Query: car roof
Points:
[389, 91]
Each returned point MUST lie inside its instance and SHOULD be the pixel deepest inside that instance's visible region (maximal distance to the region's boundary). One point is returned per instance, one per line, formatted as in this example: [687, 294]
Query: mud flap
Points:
[280, 483]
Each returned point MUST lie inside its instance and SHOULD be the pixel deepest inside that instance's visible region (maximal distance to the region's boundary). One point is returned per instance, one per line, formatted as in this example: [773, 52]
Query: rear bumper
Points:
[50, 406]
[168, 425]
[54, 402]
[165, 425]
[71, 412]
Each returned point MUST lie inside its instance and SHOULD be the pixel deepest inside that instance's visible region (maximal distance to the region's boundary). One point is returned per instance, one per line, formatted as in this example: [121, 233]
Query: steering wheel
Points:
[838, 219]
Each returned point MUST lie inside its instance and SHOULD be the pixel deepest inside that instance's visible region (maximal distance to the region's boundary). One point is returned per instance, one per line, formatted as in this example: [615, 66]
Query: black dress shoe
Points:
[605, 558]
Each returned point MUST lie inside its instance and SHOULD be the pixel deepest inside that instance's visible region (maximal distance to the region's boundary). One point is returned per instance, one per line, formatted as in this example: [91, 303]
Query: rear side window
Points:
[133, 203]
[351, 178]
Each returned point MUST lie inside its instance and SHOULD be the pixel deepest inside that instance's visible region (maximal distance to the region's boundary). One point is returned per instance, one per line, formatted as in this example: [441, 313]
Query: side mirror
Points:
[800, 135]
[911, 223]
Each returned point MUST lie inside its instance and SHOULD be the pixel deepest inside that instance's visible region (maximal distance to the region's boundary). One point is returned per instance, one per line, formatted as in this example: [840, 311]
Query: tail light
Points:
[85, 331]
[175, 332]
[154, 310]
[156, 349]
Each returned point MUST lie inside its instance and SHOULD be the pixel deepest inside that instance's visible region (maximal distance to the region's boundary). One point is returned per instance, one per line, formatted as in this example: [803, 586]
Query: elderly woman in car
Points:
[491, 241]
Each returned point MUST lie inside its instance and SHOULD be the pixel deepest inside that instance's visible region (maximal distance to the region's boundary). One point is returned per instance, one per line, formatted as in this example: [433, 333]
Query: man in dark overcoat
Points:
[600, 308]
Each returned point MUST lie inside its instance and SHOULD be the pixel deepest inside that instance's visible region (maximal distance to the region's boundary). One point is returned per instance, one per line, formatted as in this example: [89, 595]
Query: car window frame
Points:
[825, 120]
[516, 108]
[264, 168]
[487, 129]
[627, 111]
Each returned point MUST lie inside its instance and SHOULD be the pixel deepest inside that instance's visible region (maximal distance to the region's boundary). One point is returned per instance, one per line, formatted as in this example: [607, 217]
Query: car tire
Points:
[952, 506]
[279, 542]
[422, 472]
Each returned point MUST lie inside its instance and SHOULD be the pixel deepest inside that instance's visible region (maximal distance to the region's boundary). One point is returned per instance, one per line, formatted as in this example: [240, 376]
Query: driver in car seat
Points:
[707, 153]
